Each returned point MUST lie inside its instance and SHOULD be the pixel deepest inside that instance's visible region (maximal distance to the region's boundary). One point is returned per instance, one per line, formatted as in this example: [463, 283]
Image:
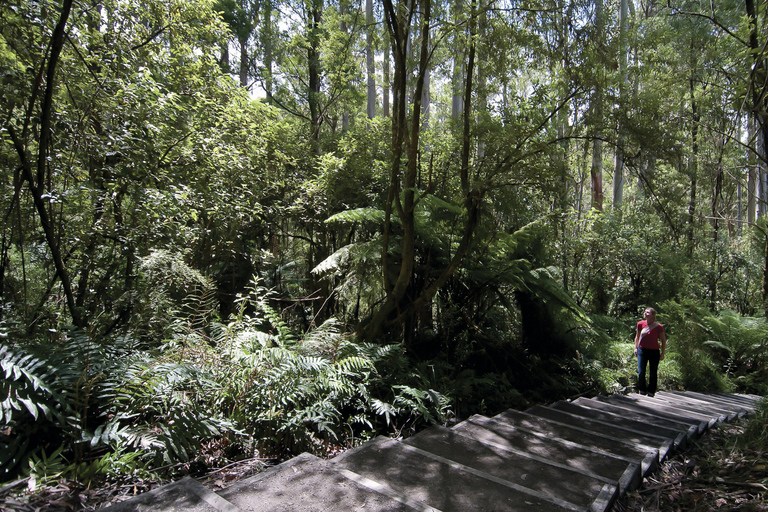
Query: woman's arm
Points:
[637, 338]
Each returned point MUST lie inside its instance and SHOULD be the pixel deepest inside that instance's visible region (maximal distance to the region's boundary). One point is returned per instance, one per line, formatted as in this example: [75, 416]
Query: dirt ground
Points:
[714, 474]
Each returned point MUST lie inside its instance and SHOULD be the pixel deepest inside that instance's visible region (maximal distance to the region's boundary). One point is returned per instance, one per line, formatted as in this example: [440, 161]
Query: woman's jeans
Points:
[647, 357]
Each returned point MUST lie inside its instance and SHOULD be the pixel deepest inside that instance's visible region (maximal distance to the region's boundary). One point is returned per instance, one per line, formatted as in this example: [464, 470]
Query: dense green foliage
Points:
[193, 264]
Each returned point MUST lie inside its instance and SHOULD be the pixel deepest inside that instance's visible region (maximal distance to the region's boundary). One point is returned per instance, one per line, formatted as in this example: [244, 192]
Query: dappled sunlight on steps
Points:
[579, 455]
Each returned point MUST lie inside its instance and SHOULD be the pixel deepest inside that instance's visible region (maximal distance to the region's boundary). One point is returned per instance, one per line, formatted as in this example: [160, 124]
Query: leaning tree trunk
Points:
[399, 305]
[36, 177]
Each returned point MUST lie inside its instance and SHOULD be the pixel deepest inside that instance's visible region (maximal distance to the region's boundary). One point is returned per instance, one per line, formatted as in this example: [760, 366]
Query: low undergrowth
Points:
[121, 415]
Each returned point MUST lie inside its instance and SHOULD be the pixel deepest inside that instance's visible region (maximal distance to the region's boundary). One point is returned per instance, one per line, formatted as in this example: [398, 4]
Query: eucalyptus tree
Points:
[317, 74]
[242, 17]
[370, 67]
[618, 171]
[597, 106]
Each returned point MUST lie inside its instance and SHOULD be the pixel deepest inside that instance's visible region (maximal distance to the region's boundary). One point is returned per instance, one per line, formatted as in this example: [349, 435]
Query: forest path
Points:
[580, 455]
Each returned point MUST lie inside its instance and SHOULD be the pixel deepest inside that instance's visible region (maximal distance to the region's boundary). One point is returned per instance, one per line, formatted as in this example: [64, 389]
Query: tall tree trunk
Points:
[244, 63]
[762, 170]
[345, 31]
[387, 83]
[398, 20]
[402, 299]
[596, 170]
[482, 81]
[752, 173]
[457, 79]
[369, 62]
[618, 170]
[267, 43]
[693, 163]
[314, 17]
[596, 174]
[759, 87]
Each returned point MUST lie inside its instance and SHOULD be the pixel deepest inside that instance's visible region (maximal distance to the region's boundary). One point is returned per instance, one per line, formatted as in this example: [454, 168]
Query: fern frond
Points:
[334, 262]
[26, 387]
[369, 215]
[356, 256]
[284, 334]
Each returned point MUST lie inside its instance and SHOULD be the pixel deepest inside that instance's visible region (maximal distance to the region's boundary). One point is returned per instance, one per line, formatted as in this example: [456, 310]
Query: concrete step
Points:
[735, 401]
[641, 403]
[309, 484]
[441, 483]
[640, 437]
[690, 430]
[728, 413]
[682, 407]
[753, 398]
[632, 449]
[579, 457]
[616, 419]
[186, 495]
[545, 476]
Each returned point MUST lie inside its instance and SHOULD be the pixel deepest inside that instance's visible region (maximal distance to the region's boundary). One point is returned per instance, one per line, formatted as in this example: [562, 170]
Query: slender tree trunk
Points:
[244, 63]
[759, 87]
[369, 62]
[37, 184]
[403, 300]
[739, 206]
[387, 82]
[343, 28]
[752, 184]
[618, 170]
[398, 19]
[268, 51]
[693, 163]
[482, 82]
[762, 170]
[313, 57]
[596, 174]
[457, 99]
[596, 170]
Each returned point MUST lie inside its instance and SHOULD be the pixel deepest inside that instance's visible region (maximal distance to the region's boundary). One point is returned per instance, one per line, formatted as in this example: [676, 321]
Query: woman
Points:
[648, 351]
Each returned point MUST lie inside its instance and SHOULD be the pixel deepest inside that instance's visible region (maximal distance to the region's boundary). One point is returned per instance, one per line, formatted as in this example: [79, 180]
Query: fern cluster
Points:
[86, 409]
